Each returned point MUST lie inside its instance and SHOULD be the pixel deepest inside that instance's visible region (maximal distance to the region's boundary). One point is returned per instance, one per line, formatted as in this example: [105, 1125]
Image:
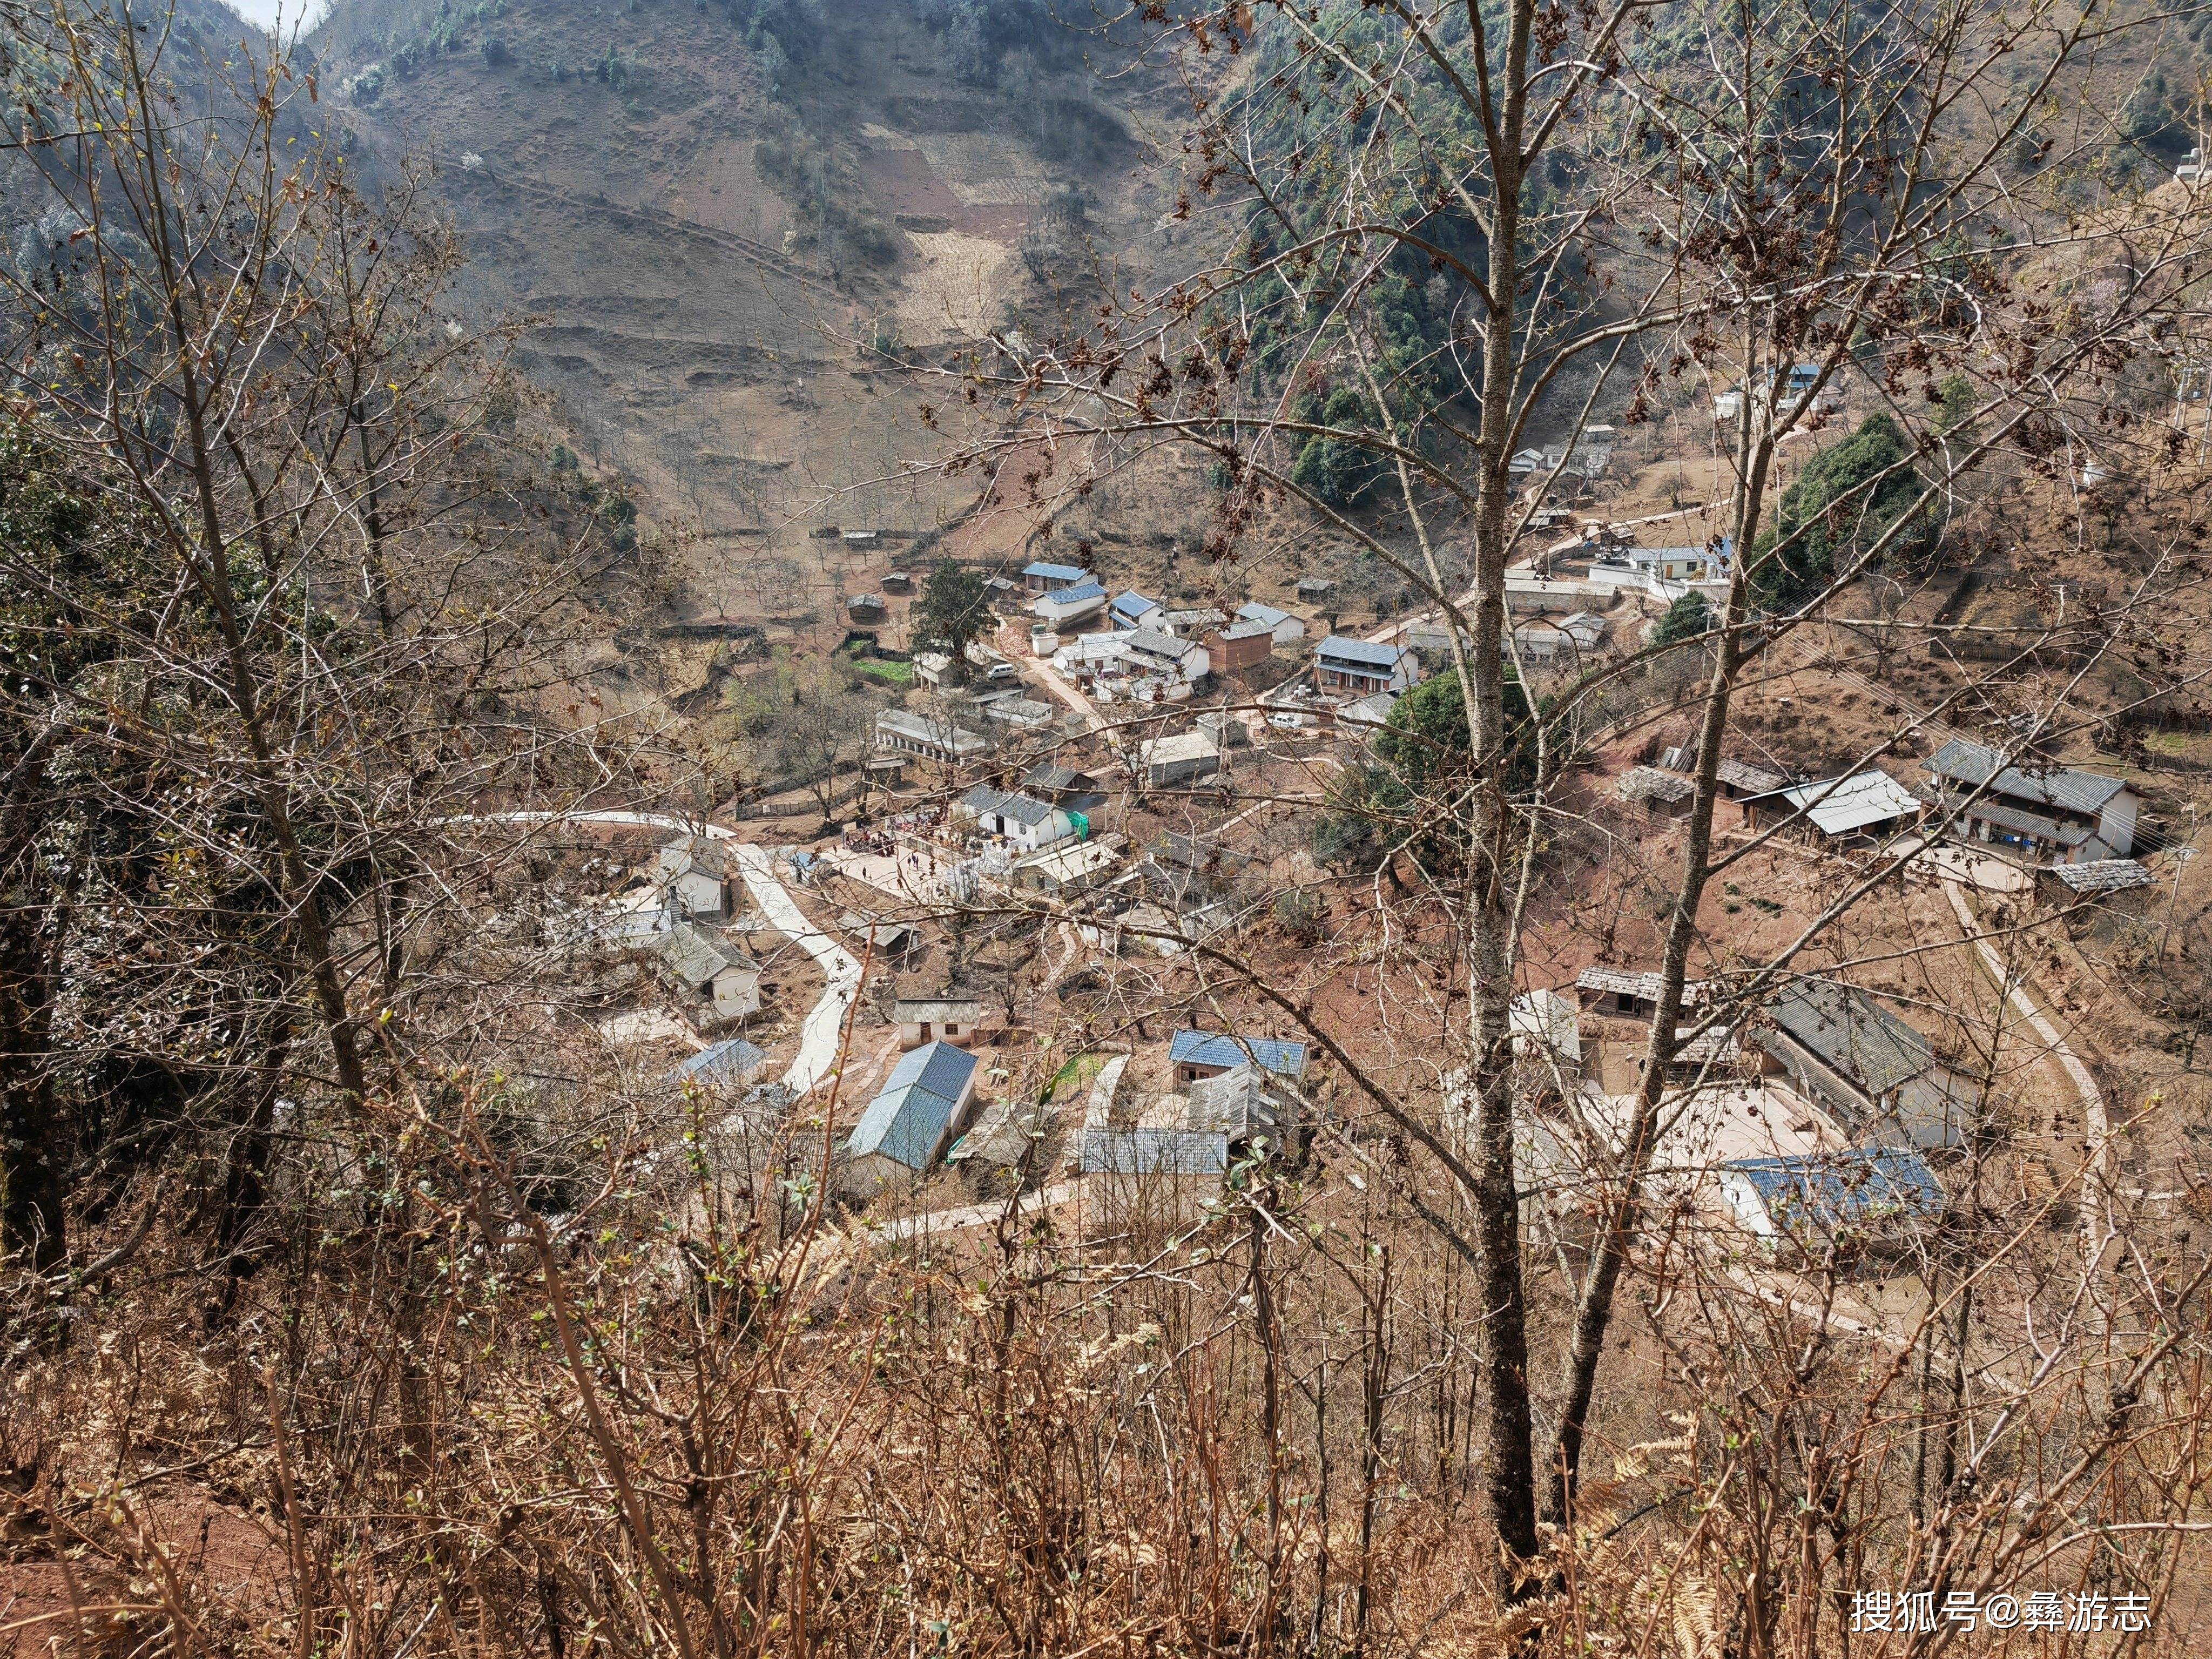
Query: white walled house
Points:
[1165, 654]
[1022, 820]
[1282, 626]
[711, 979]
[1063, 607]
[695, 873]
[1344, 663]
[916, 735]
[942, 1017]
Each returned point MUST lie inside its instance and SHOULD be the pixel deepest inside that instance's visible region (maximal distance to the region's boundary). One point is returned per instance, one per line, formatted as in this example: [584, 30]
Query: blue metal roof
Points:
[1844, 1188]
[908, 1119]
[1225, 1049]
[1345, 648]
[1069, 595]
[732, 1060]
[1055, 573]
[1133, 603]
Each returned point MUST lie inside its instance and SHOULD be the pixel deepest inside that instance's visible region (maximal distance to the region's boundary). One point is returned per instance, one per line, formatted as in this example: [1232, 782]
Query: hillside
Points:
[722, 227]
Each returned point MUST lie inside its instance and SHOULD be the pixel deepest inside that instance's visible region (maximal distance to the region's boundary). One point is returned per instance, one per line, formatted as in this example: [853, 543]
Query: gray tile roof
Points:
[695, 955]
[1970, 764]
[1855, 1035]
[2101, 875]
[1024, 810]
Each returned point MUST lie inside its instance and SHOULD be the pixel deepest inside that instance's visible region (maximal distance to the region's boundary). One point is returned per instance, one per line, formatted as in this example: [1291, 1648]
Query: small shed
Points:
[867, 608]
[1865, 806]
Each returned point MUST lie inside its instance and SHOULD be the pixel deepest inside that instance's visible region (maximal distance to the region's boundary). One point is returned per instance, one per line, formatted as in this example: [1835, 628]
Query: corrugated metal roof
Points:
[1990, 810]
[1152, 1151]
[1634, 982]
[1843, 1188]
[1254, 611]
[1852, 1032]
[1343, 648]
[1275, 1055]
[2054, 786]
[1055, 573]
[2101, 875]
[1839, 806]
[1131, 603]
[731, 1061]
[907, 1121]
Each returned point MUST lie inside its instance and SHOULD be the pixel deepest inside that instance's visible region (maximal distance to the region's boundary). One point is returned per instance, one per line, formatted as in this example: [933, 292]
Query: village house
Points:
[943, 1014]
[1048, 780]
[1672, 564]
[1311, 590]
[905, 1129]
[1661, 795]
[1628, 994]
[1185, 757]
[1342, 663]
[917, 734]
[697, 873]
[1868, 806]
[866, 609]
[1196, 1054]
[1130, 607]
[1282, 626]
[1065, 871]
[1022, 821]
[1880, 1078]
[1236, 1103]
[2071, 883]
[1041, 577]
[1168, 656]
[2046, 814]
[1194, 873]
[711, 979]
[1063, 607]
[933, 669]
[1239, 647]
[898, 581]
[1188, 624]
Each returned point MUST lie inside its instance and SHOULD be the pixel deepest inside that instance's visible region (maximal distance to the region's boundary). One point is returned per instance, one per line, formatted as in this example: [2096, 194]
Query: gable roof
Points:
[1253, 611]
[694, 955]
[1149, 642]
[1236, 1103]
[1972, 764]
[707, 855]
[1275, 1055]
[1852, 1033]
[1131, 603]
[1023, 809]
[1047, 776]
[1055, 573]
[1839, 806]
[731, 1061]
[1081, 592]
[1248, 629]
[1344, 647]
[907, 1121]
[1751, 780]
[1843, 1188]
[1648, 783]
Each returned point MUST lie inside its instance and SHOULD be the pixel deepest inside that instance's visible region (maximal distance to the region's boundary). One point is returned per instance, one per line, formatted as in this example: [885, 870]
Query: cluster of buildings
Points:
[1229, 1097]
[1813, 1121]
[2038, 814]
